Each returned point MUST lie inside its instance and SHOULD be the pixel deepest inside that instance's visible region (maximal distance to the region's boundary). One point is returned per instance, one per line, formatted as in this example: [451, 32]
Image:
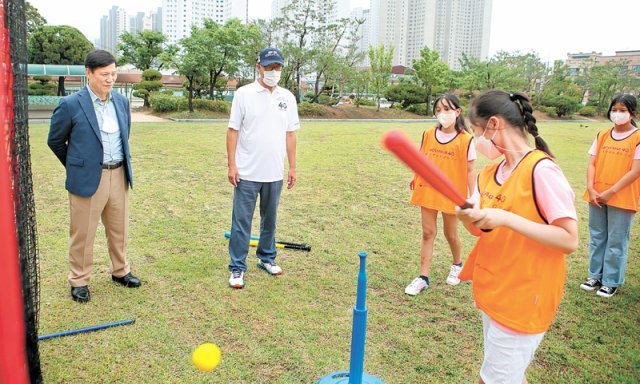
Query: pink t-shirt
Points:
[444, 137]
[616, 136]
[554, 195]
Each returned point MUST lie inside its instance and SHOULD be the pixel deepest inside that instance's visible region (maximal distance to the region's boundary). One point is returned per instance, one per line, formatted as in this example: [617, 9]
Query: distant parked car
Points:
[384, 103]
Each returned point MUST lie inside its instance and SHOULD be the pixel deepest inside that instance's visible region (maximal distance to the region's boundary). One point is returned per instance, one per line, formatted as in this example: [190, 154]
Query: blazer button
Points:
[101, 163]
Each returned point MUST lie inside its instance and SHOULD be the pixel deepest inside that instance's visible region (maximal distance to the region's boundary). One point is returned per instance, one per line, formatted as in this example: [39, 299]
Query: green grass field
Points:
[351, 196]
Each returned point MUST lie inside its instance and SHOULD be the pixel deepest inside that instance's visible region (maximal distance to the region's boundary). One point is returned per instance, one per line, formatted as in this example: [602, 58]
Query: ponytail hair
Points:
[629, 101]
[451, 101]
[515, 108]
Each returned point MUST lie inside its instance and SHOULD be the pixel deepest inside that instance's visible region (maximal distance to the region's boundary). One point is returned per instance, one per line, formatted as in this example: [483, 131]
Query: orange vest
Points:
[614, 158]
[451, 158]
[516, 281]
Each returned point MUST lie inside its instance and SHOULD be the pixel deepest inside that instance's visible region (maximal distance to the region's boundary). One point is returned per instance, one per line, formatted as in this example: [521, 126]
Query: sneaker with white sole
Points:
[236, 280]
[590, 284]
[271, 268]
[453, 279]
[416, 286]
[607, 292]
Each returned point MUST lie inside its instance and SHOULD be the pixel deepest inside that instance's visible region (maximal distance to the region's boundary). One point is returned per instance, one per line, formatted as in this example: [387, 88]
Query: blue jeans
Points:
[245, 196]
[609, 231]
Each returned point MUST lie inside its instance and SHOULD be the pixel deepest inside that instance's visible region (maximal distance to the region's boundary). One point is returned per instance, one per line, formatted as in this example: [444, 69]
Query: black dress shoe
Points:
[127, 280]
[80, 294]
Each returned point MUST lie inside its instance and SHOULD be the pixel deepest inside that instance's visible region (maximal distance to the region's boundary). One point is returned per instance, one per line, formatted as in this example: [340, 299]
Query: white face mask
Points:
[487, 147]
[620, 118]
[446, 118]
[271, 78]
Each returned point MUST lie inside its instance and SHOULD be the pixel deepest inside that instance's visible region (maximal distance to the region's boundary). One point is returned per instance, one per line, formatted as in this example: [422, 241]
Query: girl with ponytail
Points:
[526, 224]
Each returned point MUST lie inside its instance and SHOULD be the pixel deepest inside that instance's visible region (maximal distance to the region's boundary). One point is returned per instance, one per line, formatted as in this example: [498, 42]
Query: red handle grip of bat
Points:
[401, 146]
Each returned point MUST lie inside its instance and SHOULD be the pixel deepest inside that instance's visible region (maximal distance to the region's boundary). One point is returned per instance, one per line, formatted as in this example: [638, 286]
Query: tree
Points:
[530, 69]
[605, 82]
[62, 45]
[42, 86]
[150, 83]
[358, 83]
[145, 50]
[561, 92]
[34, 18]
[430, 71]
[452, 80]
[331, 54]
[300, 27]
[380, 59]
[192, 62]
[246, 72]
[501, 71]
[471, 75]
[228, 46]
[406, 94]
[563, 104]
[344, 69]
[199, 86]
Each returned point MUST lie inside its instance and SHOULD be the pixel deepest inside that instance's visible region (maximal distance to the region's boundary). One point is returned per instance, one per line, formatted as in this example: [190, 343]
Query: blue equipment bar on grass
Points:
[87, 329]
[228, 236]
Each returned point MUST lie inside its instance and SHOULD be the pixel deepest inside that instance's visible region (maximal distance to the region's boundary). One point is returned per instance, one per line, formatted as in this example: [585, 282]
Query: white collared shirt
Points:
[111, 141]
[262, 119]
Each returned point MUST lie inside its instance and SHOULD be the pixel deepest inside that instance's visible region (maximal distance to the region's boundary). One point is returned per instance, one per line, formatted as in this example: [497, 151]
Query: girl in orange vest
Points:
[525, 206]
[448, 145]
[613, 191]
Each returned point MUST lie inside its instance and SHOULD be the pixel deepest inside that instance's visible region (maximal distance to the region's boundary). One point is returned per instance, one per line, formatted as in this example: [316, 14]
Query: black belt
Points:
[112, 165]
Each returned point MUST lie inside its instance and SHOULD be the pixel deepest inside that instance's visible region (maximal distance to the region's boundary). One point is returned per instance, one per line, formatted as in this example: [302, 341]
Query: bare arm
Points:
[471, 177]
[462, 214]
[591, 175]
[562, 234]
[232, 143]
[292, 141]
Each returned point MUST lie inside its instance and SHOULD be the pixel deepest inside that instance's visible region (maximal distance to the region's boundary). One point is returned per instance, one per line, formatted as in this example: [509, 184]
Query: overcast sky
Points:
[552, 28]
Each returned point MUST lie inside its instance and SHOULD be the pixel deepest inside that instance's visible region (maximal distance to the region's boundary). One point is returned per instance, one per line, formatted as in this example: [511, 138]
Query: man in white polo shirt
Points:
[262, 130]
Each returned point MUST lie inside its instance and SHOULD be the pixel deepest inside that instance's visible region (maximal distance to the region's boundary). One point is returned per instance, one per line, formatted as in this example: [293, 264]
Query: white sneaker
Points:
[452, 279]
[607, 292]
[416, 286]
[236, 280]
[272, 269]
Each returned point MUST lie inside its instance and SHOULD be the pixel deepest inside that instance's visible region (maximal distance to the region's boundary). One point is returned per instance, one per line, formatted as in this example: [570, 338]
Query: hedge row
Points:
[161, 102]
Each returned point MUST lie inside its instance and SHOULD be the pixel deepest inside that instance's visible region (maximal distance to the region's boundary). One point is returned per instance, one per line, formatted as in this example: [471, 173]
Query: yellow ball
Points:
[206, 357]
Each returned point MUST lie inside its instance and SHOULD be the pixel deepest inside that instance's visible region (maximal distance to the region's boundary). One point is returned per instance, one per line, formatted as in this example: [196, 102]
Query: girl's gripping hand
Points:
[469, 216]
[490, 218]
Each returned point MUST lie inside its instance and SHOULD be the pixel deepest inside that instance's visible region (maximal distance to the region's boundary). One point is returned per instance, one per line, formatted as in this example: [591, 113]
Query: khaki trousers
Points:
[111, 204]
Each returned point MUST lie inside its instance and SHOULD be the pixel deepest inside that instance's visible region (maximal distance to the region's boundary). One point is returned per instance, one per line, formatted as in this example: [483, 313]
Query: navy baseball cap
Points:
[270, 56]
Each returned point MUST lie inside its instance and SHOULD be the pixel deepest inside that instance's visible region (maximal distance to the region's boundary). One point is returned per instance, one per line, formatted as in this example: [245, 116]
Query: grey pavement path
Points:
[140, 117]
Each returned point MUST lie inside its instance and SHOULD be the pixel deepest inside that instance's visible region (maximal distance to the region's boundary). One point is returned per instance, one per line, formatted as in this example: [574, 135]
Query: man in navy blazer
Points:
[89, 134]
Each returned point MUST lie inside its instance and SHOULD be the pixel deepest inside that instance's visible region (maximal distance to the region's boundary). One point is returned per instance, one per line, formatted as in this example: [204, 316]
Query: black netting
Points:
[22, 184]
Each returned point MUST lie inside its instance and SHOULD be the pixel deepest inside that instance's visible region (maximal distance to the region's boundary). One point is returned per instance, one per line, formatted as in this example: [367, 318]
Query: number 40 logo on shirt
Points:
[282, 106]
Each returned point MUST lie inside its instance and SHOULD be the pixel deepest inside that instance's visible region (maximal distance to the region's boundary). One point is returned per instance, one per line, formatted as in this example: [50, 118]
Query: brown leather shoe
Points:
[80, 294]
[127, 280]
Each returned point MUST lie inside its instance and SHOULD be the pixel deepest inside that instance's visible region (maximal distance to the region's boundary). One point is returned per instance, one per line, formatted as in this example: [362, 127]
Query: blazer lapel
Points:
[87, 106]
